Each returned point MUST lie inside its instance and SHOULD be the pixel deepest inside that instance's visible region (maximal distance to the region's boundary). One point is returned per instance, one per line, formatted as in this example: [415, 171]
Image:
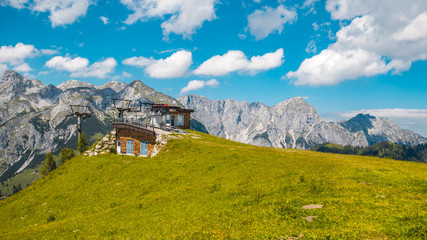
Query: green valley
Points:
[202, 187]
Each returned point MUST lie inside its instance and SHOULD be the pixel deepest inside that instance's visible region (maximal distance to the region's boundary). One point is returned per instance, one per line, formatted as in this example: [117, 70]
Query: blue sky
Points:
[343, 56]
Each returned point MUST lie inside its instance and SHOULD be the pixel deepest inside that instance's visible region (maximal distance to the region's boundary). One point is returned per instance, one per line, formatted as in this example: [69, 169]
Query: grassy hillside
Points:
[202, 186]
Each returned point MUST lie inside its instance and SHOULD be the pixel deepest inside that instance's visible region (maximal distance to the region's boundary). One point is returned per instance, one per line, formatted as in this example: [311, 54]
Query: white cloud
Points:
[48, 51]
[413, 119]
[241, 36]
[139, 61]
[3, 67]
[24, 67]
[315, 26]
[390, 113]
[415, 30]
[268, 20]
[14, 3]
[67, 63]
[198, 84]
[311, 47]
[79, 67]
[330, 67]
[122, 76]
[126, 75]
[173, 66]
[392, 33]
[237, 61]
[185, 16]
[104, 19]
[17, 54]
[62, 12]
[309, 2]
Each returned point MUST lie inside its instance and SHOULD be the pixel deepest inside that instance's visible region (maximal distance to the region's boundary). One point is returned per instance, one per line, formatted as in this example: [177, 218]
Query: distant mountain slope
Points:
[292, 123]
[381, 129]
[205, 187]
[32, 115]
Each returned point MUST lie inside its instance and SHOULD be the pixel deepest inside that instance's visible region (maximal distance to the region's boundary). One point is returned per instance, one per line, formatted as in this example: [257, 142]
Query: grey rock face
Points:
[33, 116]
[381, 129]
[292, 123]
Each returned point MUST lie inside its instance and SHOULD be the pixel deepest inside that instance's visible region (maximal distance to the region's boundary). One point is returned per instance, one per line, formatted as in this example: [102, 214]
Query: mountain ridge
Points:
[292, 123]
[35, 115]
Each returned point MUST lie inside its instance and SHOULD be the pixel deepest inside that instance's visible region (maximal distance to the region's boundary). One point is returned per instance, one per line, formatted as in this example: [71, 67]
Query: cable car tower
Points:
[124, 105]
[81, 112]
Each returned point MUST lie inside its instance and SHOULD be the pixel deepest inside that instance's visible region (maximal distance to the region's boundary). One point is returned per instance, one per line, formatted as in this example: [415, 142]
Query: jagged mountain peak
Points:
[114, 85]
[358, 123]
[12, 78]
[35, 115]
[378, 129]
[12, 75]
[138, 84]
[292, 123]
[74, 84]
[13, 84]
[295, 101]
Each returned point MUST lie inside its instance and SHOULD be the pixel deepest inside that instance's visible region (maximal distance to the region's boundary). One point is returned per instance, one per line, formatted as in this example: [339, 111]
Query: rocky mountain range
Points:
[33, 116]
[292, 123]
[33, 120]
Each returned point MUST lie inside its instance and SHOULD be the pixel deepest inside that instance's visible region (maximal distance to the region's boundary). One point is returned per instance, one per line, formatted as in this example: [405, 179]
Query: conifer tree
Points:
[66, 154]
[82, 143]
[49, 164]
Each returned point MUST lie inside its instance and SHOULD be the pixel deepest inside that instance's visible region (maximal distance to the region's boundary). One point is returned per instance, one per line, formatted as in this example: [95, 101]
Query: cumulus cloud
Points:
[62, 12]
[330, 67]
[262, 23]
[185, 16]
[24, 67]
[237, 61]
[199, 84]
[79, 67]
[3, 67]
[173, 66]
[392, 33]
[138, 61]
[413, 119]
[17, 54]
[104, 19]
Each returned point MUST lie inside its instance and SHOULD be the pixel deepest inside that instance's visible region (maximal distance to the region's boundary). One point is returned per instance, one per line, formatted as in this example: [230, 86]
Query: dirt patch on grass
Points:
[312, 206]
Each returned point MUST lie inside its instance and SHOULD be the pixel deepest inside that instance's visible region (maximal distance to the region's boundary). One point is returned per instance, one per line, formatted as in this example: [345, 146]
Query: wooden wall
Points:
[186, 119]
[125, 134]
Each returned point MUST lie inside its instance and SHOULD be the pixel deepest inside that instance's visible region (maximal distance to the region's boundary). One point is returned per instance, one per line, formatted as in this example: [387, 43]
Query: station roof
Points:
[171, 108]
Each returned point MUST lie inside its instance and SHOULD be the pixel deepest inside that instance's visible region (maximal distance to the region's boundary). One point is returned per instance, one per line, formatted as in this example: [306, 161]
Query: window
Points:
[119, 147]
[168, 119]
[180, 120]
[144, 148]
[129, 146]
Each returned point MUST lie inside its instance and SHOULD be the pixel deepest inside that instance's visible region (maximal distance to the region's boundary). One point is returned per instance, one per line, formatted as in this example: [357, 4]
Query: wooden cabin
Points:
[138, 138]
[171, 116]
[134, 138]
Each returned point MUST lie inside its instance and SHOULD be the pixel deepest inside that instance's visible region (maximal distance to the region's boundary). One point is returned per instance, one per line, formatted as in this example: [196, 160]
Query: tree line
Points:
[416, 153]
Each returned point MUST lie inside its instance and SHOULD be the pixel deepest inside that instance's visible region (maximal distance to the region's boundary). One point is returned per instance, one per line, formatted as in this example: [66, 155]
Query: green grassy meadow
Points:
[205, 187]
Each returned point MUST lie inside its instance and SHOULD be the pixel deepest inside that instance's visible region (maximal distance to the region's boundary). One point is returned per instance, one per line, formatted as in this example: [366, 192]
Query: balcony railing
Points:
[133, 123]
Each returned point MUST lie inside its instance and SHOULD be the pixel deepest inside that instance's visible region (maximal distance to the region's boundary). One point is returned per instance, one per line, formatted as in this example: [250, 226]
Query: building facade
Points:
[138, 138]
[134, 139]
